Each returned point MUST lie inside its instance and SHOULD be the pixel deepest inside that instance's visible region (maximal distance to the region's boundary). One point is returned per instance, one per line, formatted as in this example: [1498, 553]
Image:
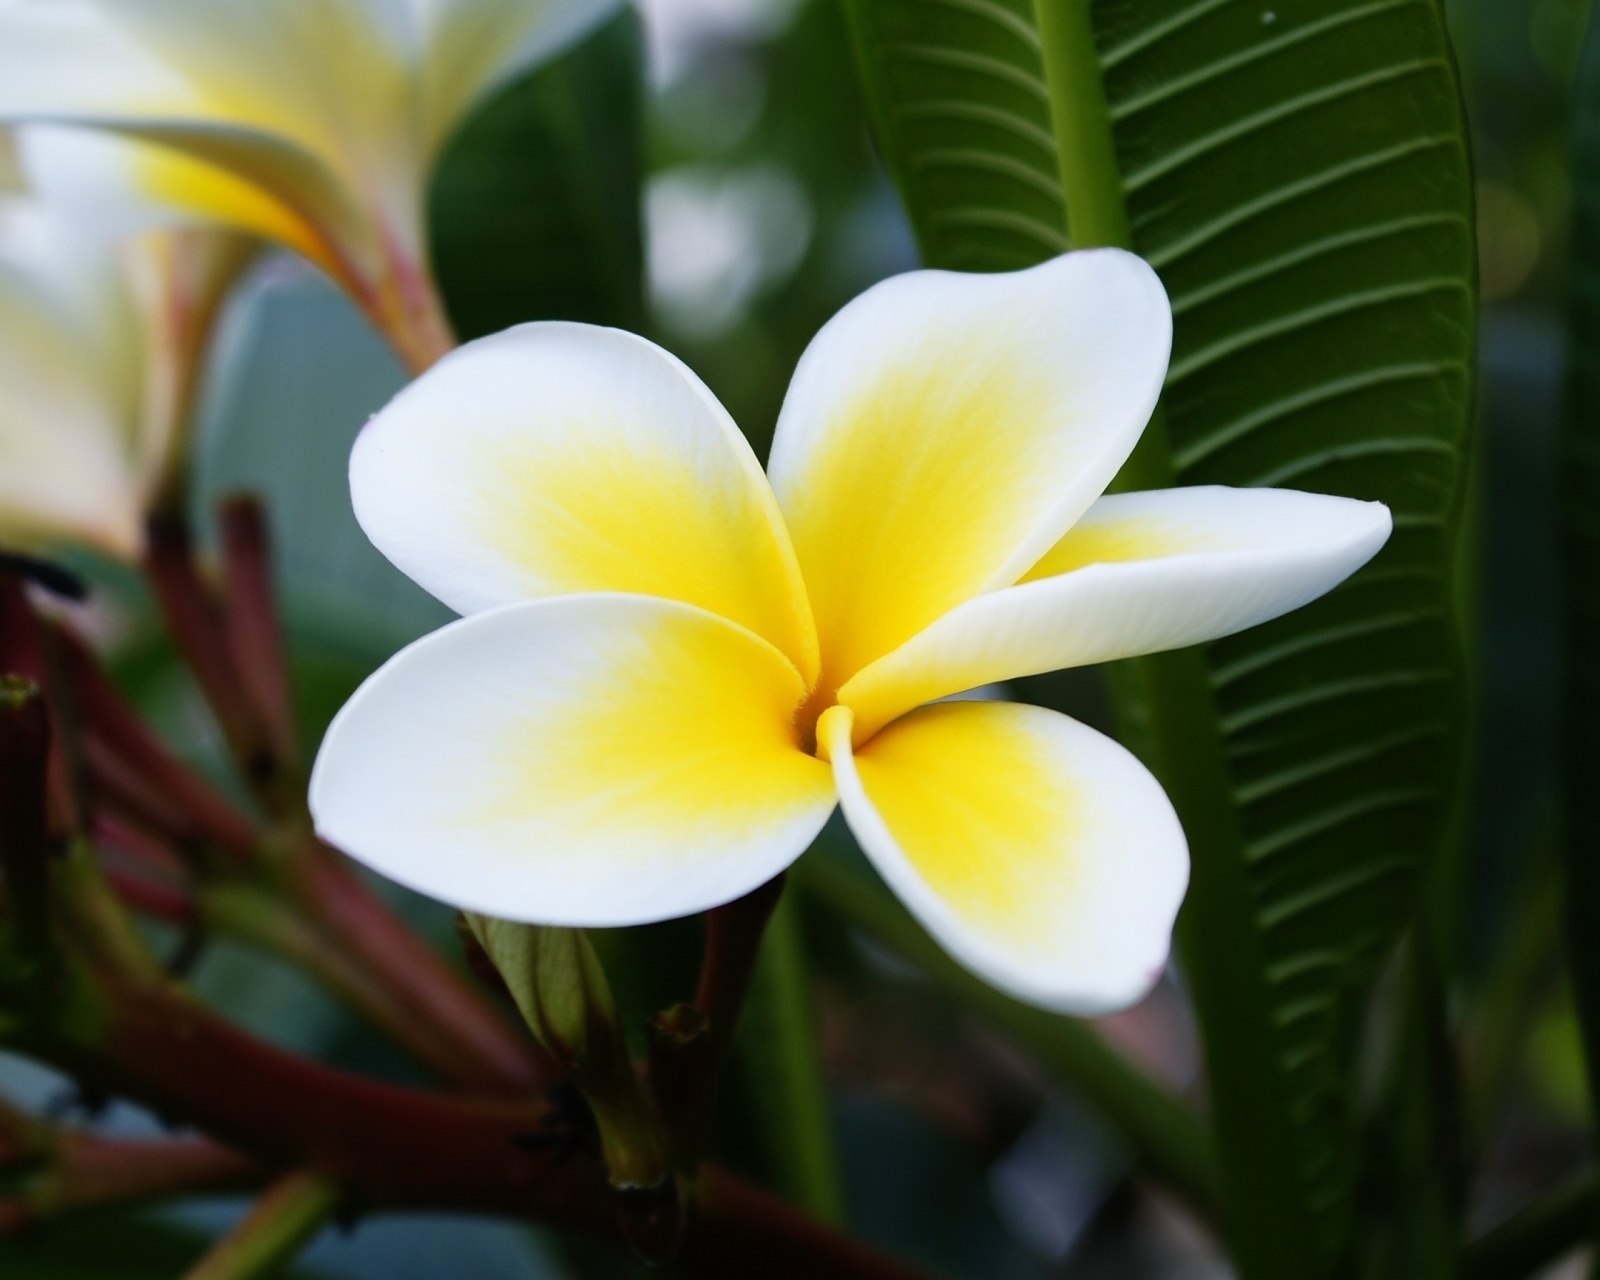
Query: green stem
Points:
[1225, 964]
[97, 918]
[794, 1091]
[1167, 1136]
[1170, 717]
[1536, 1237]
[282, 1223]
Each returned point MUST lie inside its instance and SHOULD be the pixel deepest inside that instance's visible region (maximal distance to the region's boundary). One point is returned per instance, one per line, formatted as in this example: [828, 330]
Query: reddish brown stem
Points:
[65, 1171]
[137, 845]
[399, 1148]
[689, 1043]
[23, 651]
[733, 940]
[128, 760]
[195, 619]
[120, 755]
[24, 800]
[88, 1172]
[493, 1055]
[741, 1232]
[253, 626]
[158, 901]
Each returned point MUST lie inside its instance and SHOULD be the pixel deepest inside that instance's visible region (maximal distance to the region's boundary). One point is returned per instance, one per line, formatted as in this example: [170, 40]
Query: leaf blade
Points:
[1298, 176]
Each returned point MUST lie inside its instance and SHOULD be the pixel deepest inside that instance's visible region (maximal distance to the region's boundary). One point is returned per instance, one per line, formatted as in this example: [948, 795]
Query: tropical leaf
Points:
[535, 204]
[1579, 479]
[1297, 172]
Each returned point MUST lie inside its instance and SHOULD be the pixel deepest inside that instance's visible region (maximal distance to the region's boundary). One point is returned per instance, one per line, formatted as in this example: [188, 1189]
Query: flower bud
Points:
[560, 987]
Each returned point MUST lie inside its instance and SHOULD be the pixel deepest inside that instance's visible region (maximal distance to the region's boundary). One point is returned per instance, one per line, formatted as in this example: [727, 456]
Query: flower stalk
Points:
[60, 1172]
[395, 1147]
[183, 279]
[794, 1088]
[689, 1043]
[130, 767]
[233, 643]
[487, 1053]
[407, 309]
[199, 627]
[254, 631]
[560, 987]
[274, 1232]
[24, 836]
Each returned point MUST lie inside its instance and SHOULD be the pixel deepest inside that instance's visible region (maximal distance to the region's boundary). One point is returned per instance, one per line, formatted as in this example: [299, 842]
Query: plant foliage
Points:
[1579, 474]
[1297, 172]
[535, 203]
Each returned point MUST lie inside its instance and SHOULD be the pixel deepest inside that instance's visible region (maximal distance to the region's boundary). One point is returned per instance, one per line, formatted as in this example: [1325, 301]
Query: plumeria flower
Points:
[101, 346]
[314, 123]
[672, 667]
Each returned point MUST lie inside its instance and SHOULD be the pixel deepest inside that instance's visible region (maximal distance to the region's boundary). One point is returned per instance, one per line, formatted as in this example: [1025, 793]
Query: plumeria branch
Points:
[489, 1054]
[244, 911]
[357, 945]
[393, 1147]
[689, 1043]
[132, 770]
[24, 853]
[414, 995]
[253, 626]
[54, 1172]
[254, 632]
[198, 626]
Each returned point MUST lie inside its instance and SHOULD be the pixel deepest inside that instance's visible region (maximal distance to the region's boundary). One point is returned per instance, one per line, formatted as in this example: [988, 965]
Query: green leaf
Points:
[1297, 172]
[1578, 476]
[535, 203]
[777, 1045]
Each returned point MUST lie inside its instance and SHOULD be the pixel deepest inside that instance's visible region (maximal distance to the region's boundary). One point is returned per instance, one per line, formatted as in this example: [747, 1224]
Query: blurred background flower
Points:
[316, 125]
[102, 338]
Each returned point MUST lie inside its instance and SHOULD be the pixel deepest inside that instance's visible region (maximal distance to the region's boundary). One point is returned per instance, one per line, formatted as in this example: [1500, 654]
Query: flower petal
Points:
[588, 760]
[69, 390]
[12, 183]
[1040, 853]
[943, 430]
[1141, 572]
[71, 63]
[121, 184]
[558, 458]
[70, 60]
[333, 76]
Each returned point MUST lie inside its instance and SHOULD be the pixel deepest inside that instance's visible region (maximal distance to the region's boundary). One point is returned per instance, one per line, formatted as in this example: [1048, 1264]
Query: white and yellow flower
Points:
[313, 123]
[674, 667]
[101, 343]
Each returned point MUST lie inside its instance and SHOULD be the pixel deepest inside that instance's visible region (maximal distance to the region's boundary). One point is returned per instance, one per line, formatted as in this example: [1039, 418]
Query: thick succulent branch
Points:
[394, 1147]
